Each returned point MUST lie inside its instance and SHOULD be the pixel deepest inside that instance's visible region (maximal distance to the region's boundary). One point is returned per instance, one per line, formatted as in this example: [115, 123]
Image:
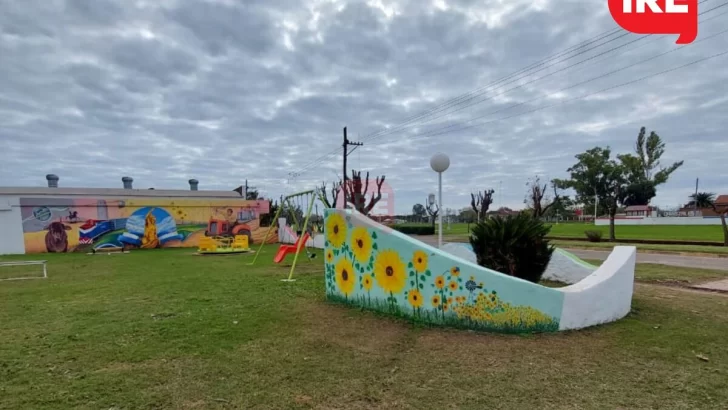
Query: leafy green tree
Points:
[467, 215]
[643, 169]
[419, 211]
[596, 174]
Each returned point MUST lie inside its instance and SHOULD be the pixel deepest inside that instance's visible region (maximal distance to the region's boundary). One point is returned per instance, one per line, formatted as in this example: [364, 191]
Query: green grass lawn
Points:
[711, 233]
[708, 250]
[166, 329]
[651, 272]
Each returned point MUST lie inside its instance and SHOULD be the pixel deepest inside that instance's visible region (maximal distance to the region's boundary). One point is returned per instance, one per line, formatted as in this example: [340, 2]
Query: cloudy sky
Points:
[224, 90]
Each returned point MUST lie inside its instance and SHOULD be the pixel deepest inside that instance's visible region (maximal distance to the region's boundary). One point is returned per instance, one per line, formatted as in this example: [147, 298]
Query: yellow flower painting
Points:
[345, 276]
[419, 260]
[367, 281]
[361, 244]
[336, 230]
[389, 271]
[415, 298]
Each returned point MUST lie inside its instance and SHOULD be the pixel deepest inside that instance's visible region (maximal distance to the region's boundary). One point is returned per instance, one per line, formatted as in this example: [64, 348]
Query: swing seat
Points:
[284, 250]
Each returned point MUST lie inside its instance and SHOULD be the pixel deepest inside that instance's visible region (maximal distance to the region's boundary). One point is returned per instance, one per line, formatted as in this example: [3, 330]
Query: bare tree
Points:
[323, 194]
[432, 210]
[357, 192]
[481, 202]
[537, 199]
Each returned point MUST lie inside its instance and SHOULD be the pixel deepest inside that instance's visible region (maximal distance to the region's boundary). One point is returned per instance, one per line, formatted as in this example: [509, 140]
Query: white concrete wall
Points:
[688, 220]
[567, 268]
[604, 296]
[11, 226]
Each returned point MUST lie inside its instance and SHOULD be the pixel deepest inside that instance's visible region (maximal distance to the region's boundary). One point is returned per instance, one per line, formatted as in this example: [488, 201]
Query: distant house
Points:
[640, 210]
[721, 202]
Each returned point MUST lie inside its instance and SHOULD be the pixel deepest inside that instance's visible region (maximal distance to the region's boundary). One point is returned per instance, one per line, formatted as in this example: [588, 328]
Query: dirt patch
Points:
[350, 328]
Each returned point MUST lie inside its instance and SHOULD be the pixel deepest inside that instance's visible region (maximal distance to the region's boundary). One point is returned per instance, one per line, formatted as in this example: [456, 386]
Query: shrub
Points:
[593, 236]
[415, 229]
[514, 245]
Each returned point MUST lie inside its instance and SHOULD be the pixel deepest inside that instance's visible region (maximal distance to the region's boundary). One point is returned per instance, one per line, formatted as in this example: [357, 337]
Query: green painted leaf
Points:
[423, 278]
[422, 286]
[411, 274]
[374, 235]
[428, 273]
[375, 246]
[412, 283]
[410, 265]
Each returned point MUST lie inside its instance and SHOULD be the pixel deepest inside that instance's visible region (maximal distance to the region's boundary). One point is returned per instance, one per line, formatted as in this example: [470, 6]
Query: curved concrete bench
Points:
[371, 266]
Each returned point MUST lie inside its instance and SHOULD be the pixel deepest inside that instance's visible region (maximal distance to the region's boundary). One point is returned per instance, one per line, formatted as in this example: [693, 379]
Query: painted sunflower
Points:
[436, 301]
[415, 298]
[345, 276]
[336, 230]
[329, 256]
[440, 282]
[453, 286]
[367, 282]
[389, 271]
[419, 260]
[455, 271]
[361, 244]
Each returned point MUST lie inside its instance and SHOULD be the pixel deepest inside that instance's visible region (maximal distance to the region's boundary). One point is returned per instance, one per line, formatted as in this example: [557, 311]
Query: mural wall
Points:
[71, 224]
[371, 266]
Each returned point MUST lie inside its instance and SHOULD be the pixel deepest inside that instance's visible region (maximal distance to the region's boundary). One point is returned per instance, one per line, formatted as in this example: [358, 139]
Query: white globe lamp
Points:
[439, 163]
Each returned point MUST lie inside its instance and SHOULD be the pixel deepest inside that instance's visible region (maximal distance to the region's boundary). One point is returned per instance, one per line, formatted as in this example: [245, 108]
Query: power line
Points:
[586, 81]
[480, 91]
[578, 98]
[540, 78]
[534, 65]
[472, 94]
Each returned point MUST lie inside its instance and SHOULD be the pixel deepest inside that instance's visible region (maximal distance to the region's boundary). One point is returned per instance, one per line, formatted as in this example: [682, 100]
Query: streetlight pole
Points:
[439, 163]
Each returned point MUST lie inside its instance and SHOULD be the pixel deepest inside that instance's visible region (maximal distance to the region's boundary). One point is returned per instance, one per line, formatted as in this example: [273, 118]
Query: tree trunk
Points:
[611, 229]
[725, 229]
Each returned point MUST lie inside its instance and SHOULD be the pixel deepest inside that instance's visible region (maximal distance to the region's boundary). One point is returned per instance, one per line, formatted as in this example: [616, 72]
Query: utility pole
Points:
[695, 198]
[245, 195]
[345, 145]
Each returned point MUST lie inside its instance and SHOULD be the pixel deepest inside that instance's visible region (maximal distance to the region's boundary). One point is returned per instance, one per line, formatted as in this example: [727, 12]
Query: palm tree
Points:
[702, 199]
[707, 200]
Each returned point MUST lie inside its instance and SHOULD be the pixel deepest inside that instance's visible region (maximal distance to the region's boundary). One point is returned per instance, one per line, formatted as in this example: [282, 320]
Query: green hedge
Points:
[415, 229]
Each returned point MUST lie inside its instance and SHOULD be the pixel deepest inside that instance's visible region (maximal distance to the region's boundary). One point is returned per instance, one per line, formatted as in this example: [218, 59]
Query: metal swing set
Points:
[302, 231]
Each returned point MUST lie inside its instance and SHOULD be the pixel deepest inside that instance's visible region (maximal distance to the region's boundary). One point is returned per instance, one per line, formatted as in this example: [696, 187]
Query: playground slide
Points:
[280, 255]
[374, 267]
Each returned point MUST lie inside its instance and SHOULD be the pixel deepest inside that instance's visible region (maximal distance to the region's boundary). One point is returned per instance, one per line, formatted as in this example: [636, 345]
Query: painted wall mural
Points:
[71, 224]
[376, 268]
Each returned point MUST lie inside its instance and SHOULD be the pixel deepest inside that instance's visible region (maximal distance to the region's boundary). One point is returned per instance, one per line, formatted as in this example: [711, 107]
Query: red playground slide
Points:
[286, 249]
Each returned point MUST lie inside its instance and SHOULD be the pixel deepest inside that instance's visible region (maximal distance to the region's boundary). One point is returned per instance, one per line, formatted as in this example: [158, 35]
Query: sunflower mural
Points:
[374, 269]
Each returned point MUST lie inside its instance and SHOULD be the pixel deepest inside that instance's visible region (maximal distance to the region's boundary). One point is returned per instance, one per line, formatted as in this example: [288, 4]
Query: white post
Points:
[439, 214]
[440, 163]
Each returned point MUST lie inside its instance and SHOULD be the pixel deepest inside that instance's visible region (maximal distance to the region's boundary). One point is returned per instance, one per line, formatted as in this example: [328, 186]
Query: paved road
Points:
[672, 260]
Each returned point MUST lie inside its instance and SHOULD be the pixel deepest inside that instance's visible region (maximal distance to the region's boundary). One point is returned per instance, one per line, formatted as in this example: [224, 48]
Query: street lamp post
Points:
[439, 163]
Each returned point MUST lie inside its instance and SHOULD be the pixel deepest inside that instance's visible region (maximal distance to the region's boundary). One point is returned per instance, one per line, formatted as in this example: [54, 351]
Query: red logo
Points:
[658, 17]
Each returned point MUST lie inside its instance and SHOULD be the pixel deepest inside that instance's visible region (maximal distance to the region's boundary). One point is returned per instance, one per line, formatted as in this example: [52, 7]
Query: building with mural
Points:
[52, 219]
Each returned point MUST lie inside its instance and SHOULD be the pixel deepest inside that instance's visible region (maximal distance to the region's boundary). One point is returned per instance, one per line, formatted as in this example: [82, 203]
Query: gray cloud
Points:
[226, 90]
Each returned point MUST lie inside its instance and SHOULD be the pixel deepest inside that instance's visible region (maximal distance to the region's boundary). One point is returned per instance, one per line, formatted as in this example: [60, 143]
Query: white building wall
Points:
[11, 226]
[662, 221]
